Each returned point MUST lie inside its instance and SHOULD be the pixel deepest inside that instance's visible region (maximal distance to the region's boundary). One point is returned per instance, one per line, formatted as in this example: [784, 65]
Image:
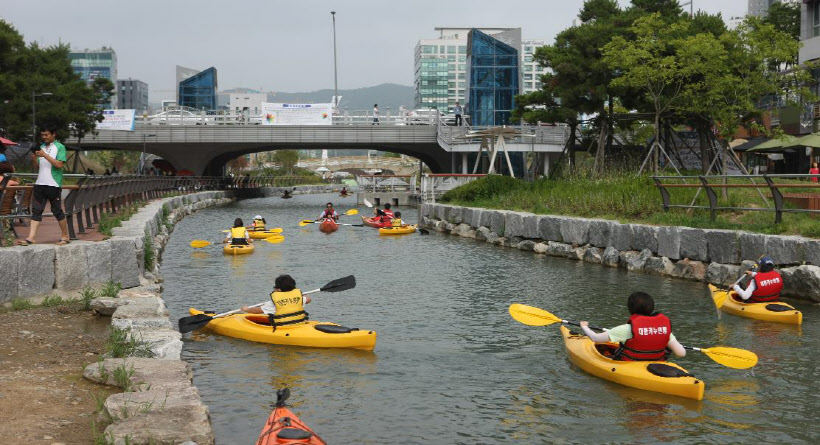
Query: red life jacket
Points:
[328, 214]
[650, 335]
[767, 287]
[388, 216]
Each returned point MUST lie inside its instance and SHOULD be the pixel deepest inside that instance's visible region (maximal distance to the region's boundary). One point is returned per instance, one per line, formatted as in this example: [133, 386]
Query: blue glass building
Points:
[199, 90]
[493, 77]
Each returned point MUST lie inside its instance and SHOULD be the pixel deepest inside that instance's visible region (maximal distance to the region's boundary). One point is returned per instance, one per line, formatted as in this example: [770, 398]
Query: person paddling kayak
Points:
[387, 215]
[765, 285]
[287, 305]
[238, 236]
[396, 222]
[329, 213]
[258, 223]
[646, 336]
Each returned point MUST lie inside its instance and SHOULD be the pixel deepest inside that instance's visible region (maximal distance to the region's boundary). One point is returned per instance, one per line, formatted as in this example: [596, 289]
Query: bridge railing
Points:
[386, 183]
[528, 134]
[435, 185]
[187, 117]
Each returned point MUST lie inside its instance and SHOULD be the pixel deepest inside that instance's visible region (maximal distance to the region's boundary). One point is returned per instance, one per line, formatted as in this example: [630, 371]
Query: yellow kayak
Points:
[237, 249]
[316, 334]
[261, 234]
[775, 311]
[397, 230]
[649, 376]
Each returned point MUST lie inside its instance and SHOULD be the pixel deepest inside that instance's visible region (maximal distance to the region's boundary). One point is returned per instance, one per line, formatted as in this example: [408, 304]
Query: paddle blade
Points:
[532, 316]
[199, 243]
[305, 222]
[718, 296]
[352, 212]
[275, 239]
[348, 282]
[194, 322]
[368, 203]
[732, 357]
[281, 396]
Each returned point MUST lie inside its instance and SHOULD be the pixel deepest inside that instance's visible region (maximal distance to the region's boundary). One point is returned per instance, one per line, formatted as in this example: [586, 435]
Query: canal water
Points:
[450, 364]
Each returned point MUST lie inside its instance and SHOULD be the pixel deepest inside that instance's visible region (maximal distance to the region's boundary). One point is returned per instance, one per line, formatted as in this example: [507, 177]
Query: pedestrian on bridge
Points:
[458, 111]
[375, 114]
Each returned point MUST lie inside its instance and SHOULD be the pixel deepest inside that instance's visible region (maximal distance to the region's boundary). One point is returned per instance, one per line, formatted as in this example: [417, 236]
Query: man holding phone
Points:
[50, 158]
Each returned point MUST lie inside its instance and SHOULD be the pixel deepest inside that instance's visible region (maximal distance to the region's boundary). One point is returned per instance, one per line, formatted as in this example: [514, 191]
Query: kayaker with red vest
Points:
[387, 216]
[647, 335]
[329, 213]
[286, 305]
[238, 235]
[765, 285]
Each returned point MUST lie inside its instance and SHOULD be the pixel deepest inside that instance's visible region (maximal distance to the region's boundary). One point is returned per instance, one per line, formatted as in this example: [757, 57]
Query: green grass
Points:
[87, 295]
[148, 253]
[120, 344]
[54, 300]
[110, 220]
[629, 199]
[19, 304]
[110, 289]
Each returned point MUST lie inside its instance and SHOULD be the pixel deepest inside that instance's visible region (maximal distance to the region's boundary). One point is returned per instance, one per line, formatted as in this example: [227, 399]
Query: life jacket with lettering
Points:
[767, 287]
[289, 308]
[388, 216]
[650, 335]
[258, 224]
[238, 235]
[396, 222]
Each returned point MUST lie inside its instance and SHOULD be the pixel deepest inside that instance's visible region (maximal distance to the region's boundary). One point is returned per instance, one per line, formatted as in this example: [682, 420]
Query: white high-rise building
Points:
[440, 68]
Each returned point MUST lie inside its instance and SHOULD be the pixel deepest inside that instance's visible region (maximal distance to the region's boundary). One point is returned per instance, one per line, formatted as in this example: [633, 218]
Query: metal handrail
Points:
[713, 199]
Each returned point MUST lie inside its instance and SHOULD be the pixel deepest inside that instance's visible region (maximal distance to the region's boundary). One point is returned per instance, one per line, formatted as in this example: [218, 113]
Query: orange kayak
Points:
[328, 226]
[283, 427]
[371, 222]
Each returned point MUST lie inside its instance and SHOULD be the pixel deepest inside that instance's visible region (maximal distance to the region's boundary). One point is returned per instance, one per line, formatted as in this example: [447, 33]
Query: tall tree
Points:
[785, 17]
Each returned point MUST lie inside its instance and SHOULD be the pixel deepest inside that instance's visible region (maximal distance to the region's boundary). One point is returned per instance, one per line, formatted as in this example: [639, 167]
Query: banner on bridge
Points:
[117, 120]
[297, 114]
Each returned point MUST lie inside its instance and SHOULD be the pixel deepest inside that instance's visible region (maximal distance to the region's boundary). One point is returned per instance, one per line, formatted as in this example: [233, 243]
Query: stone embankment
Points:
[714, 256]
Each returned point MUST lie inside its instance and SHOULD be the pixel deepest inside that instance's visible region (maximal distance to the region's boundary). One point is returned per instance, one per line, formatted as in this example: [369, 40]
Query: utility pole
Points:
[335, 74]
[691, 6]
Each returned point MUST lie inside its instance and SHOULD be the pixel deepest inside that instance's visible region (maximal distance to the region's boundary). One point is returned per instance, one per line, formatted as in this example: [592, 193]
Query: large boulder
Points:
[811, 251]
[558, 249]
[620, 236]
[486, 218]
[36, 273]
[575, 231]
[802, 282]
[577, 253]
[635, 261]
[722, 274]
[124, 266]
[514, 224]
[145, 373]
[177, 425]
[669, 242]
[526, 245]
[455, 215]
[610, 257]
[475, 217]
[690, 269]
[785, 249]
[540, 247]
[549, 228]
[752, 246]
[442, 210]
[593, 255]
[531, 226]
[599, 232]
[499, 218]
[121, 406]
[723, 246]
[693, 244]
[659, 265]
[10, 267]
[70, 266]
[107, 306]
[644, 237]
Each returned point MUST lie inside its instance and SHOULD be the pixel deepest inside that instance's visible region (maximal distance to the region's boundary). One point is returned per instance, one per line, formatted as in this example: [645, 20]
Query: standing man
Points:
[458, 111]
[50, 159]
[375, 114]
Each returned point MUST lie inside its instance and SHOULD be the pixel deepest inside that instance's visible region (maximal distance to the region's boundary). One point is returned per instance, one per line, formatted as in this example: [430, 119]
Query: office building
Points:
[448, 53]
[199, 90]
[183, 73]
[132, 94]
[93, 63]
[760, 8]
[493, 77]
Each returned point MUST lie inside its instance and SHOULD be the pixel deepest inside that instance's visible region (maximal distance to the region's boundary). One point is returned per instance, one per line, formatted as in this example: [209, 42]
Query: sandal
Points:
[25, 242]
[63, 242]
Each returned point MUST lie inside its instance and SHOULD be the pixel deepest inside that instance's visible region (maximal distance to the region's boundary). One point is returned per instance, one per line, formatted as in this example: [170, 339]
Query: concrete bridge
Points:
[204, 148]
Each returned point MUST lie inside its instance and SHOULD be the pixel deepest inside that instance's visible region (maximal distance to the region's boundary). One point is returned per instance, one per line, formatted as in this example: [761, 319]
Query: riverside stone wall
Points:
[714, 256]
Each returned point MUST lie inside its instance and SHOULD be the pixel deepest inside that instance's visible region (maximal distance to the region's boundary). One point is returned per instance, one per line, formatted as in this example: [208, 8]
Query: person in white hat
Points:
[258, 223]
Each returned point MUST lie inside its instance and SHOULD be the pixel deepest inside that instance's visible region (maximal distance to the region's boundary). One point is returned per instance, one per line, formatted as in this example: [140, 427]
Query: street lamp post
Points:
[34, 96]
[142, 156]
[335, 74]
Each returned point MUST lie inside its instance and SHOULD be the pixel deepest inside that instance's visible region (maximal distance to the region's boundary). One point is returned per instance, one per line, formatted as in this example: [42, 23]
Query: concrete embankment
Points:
[714, 256]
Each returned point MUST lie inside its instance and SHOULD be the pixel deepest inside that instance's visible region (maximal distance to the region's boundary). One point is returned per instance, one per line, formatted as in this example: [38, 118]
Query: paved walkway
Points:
[49, 231]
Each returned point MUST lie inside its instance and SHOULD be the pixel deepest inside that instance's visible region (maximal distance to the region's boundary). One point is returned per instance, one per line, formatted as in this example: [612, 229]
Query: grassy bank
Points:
[627, 198]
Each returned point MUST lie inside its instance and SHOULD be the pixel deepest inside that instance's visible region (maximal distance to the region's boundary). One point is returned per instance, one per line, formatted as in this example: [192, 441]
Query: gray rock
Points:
[610, 257]
[448, 227]
[455, 215]
[36, 273]
[593, 255]
[802, 282]
[526, 245]
[151, 307]
[689, 269]
[124, 266]
[481, 233]
[514, 224]
[549, 228]
[785, 249]
[440, 226]
[558, 249]
[577, 253]
[540, 247]
[752, 246]
[723, 246]
[811, 251]
[531, 226]
[476, 218]
[499, 217]
[147, 372]
[693, 244]
[425, 209]
[486, 217]
[106, 306]
[620, 236]
[119, 407]
[70, 266]
[459, 229]
[491, 237]
[141, 323]
[442, 211]
[635, 261]
[722, 274]
[171, 425]
[659, 266]
[669, 242]
[165, 344]
[10, 265]
[599, 232]
[575, 230]
[466, 215]
[644, 237]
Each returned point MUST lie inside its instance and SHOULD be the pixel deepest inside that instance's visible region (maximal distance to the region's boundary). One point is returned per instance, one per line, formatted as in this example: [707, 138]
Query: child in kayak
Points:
[647, 335]
[258, 223]
[397, 220]
[329, 213]
[238, 235]
[287, 305]
[765, 285]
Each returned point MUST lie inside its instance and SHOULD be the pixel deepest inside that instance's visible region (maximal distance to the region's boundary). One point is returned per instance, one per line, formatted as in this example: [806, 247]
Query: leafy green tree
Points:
[785, 17]
[288, 159]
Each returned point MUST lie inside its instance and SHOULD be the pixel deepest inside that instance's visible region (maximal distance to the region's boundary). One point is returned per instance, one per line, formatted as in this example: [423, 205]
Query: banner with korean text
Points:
[117, 120]
[297, 114]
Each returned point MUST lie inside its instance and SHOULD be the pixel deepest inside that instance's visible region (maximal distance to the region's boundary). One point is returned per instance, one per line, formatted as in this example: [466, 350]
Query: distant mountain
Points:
[386, 95]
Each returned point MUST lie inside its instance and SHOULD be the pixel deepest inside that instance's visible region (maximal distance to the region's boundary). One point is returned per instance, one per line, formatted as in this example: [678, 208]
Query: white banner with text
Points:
[117, 120]
[297, 114]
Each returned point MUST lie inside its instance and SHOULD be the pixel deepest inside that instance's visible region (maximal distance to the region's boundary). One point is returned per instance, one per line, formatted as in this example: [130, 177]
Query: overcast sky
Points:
[278, 45]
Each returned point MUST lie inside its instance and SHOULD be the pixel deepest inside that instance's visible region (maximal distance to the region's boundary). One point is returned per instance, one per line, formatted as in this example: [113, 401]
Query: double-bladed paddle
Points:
[200, 243]
[730, 357]
[305, 222]
[720, 297]
[194, 322]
